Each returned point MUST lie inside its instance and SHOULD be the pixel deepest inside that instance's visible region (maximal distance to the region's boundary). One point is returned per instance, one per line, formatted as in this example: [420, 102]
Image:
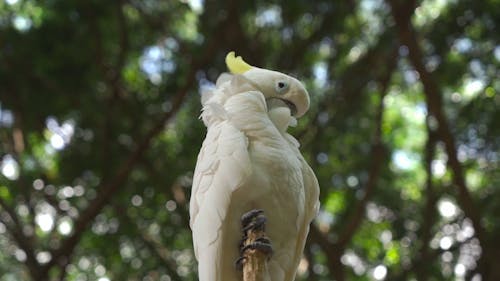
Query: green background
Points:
[99, 131]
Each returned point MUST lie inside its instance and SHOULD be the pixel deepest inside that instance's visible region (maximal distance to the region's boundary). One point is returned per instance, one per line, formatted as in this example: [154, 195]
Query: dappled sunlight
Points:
[445, 242]
[100, 132]
[104, 225]
[385, 237]
[352, 260]
[472, 88]
[462, 45]
[184, 259]
[320, 71]
[59, 135]
[496, 52]
[43, 257]
[376, 213]
[404, 161]
[379, 272]
[270, 16]
[171, 205]
[429, 10]
[45, 217]
[195, 5]
[23, 15]
[20, 255]
[455, 236]
[136, 200]
[6, 117]
[438, 167]
[447, 208]
[9, 167]
[65, 226]
[88, 268]
[325, 220]
[45, 221]
[22, 23]
[157, 60]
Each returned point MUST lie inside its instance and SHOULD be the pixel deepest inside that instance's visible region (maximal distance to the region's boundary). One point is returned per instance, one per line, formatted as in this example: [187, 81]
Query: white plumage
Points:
[248, 161]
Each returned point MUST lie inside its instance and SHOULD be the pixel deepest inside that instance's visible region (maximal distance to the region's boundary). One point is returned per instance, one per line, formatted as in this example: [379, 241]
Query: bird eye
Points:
[281, 86]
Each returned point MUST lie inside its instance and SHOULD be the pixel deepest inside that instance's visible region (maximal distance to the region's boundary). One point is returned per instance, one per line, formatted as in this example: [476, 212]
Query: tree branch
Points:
[419, 263]
[108, 190]
[16, 232]
[334, 250]
[333, 253]
[408, 37]
[377, 155]
[434, 102]
[325, 28]
[429, 210]
[162, 253]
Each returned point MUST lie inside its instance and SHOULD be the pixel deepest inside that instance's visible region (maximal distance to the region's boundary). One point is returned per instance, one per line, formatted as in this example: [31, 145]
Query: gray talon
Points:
[248, 217]
[239, 263]
[263, 247]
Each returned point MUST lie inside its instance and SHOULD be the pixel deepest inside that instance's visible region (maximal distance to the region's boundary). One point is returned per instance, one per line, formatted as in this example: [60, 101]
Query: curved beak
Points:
[298, 101]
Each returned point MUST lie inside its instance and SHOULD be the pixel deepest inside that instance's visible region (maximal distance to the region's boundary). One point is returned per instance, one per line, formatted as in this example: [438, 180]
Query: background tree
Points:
[99, 132]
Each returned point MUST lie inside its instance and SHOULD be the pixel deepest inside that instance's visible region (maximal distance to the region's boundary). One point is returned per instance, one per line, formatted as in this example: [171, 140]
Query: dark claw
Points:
[261, 241]
[248, 217]
[239, 263]
[262, 244]
[258, 223]
[242, 244]
[253, 220]
[264, 240]
[263, 247]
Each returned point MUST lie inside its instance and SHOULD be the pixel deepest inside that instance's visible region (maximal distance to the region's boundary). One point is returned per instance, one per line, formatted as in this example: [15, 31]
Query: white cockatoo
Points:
[248, 161]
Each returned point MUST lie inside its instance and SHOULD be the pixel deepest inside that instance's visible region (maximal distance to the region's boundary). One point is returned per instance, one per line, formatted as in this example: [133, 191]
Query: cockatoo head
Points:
[279, 89]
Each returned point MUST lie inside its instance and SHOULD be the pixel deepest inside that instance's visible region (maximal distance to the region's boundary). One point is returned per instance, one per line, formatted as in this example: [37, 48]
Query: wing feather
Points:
[232, 115]
[224, 160]
[311, 208]
[223, 166]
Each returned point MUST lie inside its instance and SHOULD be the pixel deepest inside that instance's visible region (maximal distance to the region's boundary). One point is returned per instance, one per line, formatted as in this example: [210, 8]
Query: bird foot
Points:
[262, 244]
[254, 239]
[253, 220]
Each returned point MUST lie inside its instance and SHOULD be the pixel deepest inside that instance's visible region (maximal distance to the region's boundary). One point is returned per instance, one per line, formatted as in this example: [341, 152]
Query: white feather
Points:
[247, 161]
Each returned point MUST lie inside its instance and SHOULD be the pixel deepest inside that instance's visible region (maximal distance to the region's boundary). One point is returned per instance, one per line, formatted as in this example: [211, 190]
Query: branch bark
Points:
[254, 260]
[333, 253]
[429, 211]
[255, 266]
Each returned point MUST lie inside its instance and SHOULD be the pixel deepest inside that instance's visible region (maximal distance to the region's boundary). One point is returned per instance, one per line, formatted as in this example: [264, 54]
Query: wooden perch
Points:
[257, 247]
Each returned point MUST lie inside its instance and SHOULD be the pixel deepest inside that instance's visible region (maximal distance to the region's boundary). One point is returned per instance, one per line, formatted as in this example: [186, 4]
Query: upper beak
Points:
[298, 101]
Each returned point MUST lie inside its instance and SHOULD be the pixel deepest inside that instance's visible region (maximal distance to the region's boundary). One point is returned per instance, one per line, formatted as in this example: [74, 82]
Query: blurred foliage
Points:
[99, 133]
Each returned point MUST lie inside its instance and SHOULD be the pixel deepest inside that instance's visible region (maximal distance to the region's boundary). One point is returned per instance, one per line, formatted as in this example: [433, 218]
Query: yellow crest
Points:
[236, 65]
